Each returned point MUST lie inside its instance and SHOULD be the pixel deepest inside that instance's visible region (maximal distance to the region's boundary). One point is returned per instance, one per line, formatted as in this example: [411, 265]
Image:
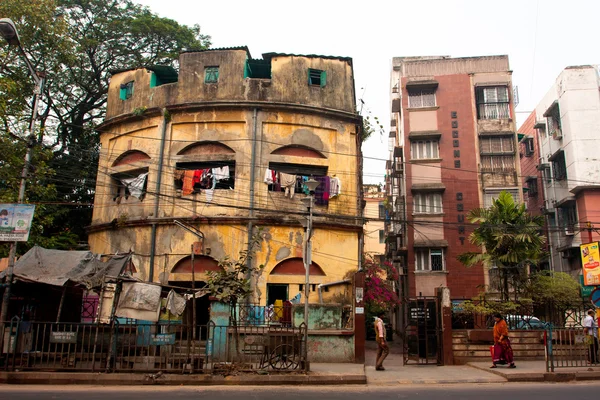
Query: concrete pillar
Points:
[360, 333]
[445, 321]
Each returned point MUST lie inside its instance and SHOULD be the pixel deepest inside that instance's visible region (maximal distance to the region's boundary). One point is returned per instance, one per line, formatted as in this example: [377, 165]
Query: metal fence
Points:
[524, 316]
[570, 347]
[134, 346]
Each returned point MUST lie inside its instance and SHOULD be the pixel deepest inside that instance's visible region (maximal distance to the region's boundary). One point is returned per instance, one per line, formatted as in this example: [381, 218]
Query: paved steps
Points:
[474, 346]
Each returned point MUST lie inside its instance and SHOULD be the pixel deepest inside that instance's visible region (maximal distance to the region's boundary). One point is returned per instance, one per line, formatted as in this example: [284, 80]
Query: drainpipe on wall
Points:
[157, 199]
[252, 178]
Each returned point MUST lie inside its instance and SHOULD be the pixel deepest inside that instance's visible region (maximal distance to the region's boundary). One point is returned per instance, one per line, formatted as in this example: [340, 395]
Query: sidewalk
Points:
[535, 371]
[320, 374]
[397, 373]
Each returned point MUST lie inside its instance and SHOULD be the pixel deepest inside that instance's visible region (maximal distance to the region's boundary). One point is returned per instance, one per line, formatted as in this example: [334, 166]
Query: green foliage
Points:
[77, 43]
[557, 289]
[370, 127]
[232, 283]
[138, 112]
[511, 237]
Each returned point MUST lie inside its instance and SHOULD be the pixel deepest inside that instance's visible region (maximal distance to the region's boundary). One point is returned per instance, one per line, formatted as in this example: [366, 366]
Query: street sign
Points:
[595, 297]
[15, 222]
[586, 291]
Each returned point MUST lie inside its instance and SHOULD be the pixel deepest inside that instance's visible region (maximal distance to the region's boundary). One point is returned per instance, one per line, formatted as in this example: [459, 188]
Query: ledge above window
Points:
[556, 154]
[423, 108]
[431, 243]
[431, 272]
[425, 160]
[417, 135]
[428, 187]
[551, 109]
[564, 202]
[422, 84]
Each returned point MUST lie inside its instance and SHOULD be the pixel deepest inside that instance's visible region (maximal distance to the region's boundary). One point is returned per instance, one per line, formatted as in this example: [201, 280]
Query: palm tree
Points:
[511, 238]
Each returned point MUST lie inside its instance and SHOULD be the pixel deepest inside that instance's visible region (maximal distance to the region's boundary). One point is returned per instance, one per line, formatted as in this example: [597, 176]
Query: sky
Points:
[541, 38]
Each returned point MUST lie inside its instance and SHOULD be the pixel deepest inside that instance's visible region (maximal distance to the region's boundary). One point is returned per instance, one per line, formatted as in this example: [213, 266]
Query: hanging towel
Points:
[289, 183]
[188, 182]
[221, 173]
[175, 303]
[268, 177]
[197, 176]
[135, 185]
[334, 187]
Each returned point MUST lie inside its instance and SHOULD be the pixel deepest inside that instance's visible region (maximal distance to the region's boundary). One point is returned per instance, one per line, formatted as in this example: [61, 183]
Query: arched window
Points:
[130, 157]
[131, 176]
[205, 166]
[298, 151]
[295, 266]
[202, 264]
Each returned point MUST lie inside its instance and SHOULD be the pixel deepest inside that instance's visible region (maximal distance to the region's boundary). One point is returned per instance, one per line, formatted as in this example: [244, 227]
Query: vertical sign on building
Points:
[15, 222]
[590, 260]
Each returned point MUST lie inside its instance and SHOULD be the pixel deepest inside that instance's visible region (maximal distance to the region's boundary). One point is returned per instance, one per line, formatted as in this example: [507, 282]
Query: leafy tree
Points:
[511, 239]
[556, 291]
[77, 43]
[232, 283]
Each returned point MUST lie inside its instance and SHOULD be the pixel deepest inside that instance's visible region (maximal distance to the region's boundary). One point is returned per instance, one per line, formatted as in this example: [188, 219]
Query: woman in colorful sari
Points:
[502, 349]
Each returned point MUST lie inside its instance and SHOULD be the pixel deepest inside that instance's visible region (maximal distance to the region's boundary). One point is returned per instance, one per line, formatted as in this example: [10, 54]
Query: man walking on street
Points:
[382, 348]
[590, 328]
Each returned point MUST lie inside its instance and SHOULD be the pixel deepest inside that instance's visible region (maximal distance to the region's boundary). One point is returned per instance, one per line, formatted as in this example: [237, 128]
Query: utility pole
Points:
[9, 32]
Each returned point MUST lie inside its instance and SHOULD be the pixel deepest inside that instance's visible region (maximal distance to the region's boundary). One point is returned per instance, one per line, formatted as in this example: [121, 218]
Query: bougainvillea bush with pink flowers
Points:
[380, 294]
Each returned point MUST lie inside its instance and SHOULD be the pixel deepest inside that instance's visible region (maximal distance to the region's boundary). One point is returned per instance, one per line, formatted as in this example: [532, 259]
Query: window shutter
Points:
[323, 78]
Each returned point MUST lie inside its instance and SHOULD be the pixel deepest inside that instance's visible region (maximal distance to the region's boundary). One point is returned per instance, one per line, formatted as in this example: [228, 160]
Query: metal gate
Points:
[422, 331]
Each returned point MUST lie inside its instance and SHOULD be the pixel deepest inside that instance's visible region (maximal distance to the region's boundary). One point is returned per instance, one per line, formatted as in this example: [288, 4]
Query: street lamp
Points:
[8, 30]
[311, 184]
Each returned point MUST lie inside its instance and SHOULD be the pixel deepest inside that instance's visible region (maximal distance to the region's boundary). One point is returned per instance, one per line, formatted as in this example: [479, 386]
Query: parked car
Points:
[526, 322]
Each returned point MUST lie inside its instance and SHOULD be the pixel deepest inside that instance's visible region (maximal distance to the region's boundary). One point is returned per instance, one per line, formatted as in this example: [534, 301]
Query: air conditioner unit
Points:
[570, 230]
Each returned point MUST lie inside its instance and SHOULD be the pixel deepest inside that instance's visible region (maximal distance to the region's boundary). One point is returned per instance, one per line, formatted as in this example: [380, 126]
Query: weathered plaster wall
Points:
[288, 83]
[320, 316]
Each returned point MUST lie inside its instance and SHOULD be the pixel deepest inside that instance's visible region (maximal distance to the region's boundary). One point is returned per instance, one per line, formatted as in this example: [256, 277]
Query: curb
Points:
[116, 379]
[544, 376]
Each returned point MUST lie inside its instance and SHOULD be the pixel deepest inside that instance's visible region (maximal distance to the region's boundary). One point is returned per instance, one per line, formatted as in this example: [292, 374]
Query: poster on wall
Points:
[590, 262]
[15, 222]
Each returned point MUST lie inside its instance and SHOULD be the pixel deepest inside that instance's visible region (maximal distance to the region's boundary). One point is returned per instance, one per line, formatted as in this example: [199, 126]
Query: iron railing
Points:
[135, 346]
[570, 347]
[524, 316]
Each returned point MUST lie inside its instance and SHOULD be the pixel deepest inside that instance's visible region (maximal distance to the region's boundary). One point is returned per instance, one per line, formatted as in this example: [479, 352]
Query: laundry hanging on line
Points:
[135, 186]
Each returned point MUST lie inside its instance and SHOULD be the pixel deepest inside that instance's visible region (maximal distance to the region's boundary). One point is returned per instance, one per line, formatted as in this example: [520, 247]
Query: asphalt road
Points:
[512, 391]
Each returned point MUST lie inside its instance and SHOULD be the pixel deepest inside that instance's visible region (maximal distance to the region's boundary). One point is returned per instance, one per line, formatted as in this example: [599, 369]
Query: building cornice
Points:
[227, 220]
[232, 104]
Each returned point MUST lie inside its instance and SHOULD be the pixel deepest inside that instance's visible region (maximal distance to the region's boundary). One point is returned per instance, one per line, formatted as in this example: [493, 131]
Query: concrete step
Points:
[462, 346]
[487, 355]
[513, 341]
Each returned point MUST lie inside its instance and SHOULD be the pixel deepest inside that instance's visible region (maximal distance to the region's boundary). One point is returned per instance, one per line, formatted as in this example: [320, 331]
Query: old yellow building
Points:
[202, 146]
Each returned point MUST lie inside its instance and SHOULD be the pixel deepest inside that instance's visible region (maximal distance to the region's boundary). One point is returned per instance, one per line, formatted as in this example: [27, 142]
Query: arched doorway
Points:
[287, 279]
[181, 275]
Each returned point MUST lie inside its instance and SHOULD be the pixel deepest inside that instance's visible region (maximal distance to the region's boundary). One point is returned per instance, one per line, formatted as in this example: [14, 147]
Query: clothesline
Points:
[328, 188]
